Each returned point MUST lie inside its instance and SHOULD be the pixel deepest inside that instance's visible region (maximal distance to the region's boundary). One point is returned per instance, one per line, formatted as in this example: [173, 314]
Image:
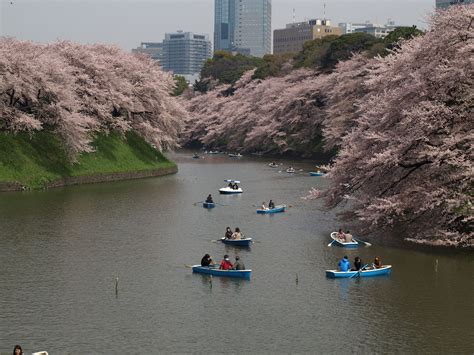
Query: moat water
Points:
[61, 251]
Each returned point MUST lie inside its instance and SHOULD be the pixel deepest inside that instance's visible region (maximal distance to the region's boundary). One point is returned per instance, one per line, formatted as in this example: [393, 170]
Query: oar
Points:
[195, 203]
[361, 241]
[331, 243]
[220, 204]
[358, 273]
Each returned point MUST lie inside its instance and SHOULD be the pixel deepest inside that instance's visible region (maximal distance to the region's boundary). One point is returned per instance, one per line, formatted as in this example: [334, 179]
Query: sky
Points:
[128, 22]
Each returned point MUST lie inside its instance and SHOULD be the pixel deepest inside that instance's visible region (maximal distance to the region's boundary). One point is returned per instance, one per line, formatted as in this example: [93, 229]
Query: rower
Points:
[237, 235]
[357, 264]
[209, 199]
[348, 237]
[271, 204]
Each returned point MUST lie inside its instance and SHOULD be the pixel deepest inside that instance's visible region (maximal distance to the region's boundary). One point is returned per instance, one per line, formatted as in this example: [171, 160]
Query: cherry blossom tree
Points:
[276, 115]
[406, 152]
[402, 124]
[77, 90]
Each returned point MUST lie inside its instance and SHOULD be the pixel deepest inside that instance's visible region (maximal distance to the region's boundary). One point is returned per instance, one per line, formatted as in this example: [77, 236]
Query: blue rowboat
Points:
[277, 209]
[334, 274]
[245, 242]
[208, 204]
[316, 173]
[337, 242]
[213, 270]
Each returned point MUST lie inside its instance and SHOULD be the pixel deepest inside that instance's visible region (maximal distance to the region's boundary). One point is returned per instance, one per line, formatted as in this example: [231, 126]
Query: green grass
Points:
[41, 158]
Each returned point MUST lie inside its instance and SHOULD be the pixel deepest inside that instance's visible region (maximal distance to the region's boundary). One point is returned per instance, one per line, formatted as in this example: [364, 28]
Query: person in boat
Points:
[207, 260]
[340, 235]
[209, 199]
[344, 264]
[238, 265]
[348, 237]
[230, 185]
[235, 187]
[264, 207]
[237, 235]
[17, 350]
[228, 233]
[377, 263]
[357, 264]
[271, 204]
[225, 263]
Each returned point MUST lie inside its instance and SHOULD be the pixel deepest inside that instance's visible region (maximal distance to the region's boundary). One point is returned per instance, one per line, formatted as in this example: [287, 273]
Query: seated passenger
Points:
[237, 235]
[230, 185]
[377, 263]
[357, 264]
[235, 187]
[263, 206]
[340, 235]
[225, 263]
[271, 204]
[348, 237]
[228, 233]
[206, 260]
[238, 265]
[344, 264]
[209, 199]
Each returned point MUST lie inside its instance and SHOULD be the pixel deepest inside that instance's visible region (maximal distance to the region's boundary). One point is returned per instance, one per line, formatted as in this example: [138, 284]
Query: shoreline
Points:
[91, 179]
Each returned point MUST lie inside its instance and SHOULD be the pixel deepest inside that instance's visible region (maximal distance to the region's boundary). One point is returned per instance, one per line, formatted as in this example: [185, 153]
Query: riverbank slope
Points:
[40, 161]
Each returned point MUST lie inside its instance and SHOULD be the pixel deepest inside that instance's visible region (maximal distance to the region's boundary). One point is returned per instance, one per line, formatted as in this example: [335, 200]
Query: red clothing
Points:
[226, 265]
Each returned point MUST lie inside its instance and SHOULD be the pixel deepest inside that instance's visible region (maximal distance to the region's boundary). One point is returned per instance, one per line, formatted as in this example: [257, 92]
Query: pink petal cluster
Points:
[406, 139]
[78, 90]
[403, 125]
[277, 115]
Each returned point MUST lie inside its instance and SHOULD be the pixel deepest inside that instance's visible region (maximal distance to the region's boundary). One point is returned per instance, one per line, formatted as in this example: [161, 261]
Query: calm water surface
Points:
[62, 249]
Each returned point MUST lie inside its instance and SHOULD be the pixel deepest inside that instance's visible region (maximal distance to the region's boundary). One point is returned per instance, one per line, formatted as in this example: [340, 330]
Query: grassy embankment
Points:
[37, 160]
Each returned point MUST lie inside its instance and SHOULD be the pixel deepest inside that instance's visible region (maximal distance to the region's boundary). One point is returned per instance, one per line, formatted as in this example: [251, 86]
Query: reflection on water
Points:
[61, 251]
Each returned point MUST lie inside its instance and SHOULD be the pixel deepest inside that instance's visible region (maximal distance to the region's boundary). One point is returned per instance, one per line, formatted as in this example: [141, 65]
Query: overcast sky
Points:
[129, 22]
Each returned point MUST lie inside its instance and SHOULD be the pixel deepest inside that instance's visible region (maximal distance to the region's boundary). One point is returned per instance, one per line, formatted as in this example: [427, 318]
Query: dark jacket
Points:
[357, 265]
[206, 261]
[238, 265]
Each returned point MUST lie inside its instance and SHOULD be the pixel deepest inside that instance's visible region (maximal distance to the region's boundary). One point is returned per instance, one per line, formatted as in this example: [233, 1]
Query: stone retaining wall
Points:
[93, 179]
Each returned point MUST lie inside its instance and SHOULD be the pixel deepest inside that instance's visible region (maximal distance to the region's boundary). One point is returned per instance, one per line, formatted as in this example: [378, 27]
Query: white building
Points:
[374, 29]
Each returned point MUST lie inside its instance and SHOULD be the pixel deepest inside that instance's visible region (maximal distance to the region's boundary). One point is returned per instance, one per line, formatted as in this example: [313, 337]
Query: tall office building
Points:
[293, 37]
[442, 4]
[243, 26]
[184, 53]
